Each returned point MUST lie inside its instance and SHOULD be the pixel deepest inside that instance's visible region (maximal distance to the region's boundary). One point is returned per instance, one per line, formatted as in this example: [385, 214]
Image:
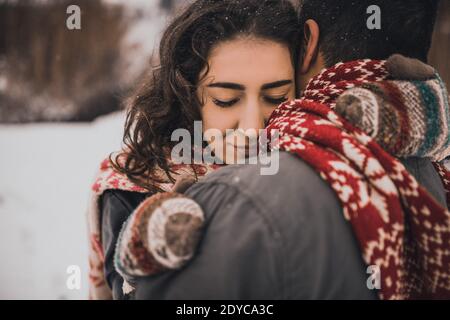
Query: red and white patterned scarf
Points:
[109, 179]
[399, 226]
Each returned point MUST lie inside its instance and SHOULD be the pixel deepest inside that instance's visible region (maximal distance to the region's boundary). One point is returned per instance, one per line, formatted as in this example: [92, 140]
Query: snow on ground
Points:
[45, 174]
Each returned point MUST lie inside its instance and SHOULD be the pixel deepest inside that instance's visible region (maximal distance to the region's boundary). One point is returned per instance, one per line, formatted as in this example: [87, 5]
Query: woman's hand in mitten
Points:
[161, 234]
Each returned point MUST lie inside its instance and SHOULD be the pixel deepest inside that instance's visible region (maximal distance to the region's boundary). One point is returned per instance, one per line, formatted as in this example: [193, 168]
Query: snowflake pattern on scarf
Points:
[399, 226]
[109, 179]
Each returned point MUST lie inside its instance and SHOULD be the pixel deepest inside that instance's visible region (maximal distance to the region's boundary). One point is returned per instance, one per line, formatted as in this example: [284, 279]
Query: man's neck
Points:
[313, 71]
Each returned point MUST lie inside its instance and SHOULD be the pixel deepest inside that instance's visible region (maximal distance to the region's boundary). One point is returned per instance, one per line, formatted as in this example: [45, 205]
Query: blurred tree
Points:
[52, 72]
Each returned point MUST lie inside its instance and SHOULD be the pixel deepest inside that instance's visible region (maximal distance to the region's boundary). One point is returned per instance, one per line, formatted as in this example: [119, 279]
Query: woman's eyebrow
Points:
[227, 85]
[236, 86]
[275, 84]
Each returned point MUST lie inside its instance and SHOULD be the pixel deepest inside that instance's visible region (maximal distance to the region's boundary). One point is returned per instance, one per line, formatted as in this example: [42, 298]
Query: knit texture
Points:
[407, 118]
[109, 179]
[399, 226]
[161, 234]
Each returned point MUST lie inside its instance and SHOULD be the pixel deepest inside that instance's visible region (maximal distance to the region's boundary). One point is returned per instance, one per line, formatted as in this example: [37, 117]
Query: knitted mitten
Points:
[408, 116]
[161, 234]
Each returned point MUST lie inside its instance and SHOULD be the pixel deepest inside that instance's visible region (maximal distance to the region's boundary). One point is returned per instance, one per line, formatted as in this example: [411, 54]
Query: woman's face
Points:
[248, 78]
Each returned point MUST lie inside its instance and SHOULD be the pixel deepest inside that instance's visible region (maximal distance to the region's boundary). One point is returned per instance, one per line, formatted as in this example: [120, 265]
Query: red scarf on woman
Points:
[107, 178]
[399, 226]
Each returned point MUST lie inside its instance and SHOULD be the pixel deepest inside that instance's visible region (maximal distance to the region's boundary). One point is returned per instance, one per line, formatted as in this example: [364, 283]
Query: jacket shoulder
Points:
[267, 237]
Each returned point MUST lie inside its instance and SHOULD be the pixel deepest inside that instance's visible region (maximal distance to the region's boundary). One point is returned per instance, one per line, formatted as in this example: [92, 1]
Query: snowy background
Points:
[46, 170]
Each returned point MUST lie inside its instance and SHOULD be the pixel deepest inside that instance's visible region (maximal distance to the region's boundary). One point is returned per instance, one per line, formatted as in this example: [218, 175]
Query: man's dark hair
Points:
[406, 28]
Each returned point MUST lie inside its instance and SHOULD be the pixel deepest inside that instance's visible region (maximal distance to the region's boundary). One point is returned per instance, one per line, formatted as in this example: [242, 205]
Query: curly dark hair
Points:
[167, 99]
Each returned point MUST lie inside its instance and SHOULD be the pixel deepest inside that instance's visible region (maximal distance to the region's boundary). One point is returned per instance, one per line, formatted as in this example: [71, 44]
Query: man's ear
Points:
[311, 48]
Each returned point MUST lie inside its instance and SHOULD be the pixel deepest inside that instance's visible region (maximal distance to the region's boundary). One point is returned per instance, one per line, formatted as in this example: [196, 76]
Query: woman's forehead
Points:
[243, 60]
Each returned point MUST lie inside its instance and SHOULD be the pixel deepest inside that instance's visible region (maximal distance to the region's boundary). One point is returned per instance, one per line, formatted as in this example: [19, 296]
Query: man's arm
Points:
[236, 258]
[267, 237]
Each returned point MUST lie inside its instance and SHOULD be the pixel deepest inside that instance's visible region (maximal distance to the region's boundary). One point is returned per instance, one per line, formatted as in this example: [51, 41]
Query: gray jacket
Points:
[274, 237]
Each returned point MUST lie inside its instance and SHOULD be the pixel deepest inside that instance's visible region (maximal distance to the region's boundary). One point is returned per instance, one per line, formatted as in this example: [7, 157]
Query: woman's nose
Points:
[251, 117]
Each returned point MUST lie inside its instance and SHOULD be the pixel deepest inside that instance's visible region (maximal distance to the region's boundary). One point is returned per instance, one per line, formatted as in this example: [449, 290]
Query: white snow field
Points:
[45, 174]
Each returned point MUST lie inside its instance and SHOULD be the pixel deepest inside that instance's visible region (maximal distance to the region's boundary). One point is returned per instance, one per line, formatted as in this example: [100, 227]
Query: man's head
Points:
[337, 30]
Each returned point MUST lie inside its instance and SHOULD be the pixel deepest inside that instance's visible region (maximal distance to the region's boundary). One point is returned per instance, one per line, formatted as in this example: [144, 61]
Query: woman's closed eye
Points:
[275, 100]
[229, 103]
[225, 103]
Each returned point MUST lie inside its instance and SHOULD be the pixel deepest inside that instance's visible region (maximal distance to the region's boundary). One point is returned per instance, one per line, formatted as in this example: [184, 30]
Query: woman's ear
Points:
[311, 48]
